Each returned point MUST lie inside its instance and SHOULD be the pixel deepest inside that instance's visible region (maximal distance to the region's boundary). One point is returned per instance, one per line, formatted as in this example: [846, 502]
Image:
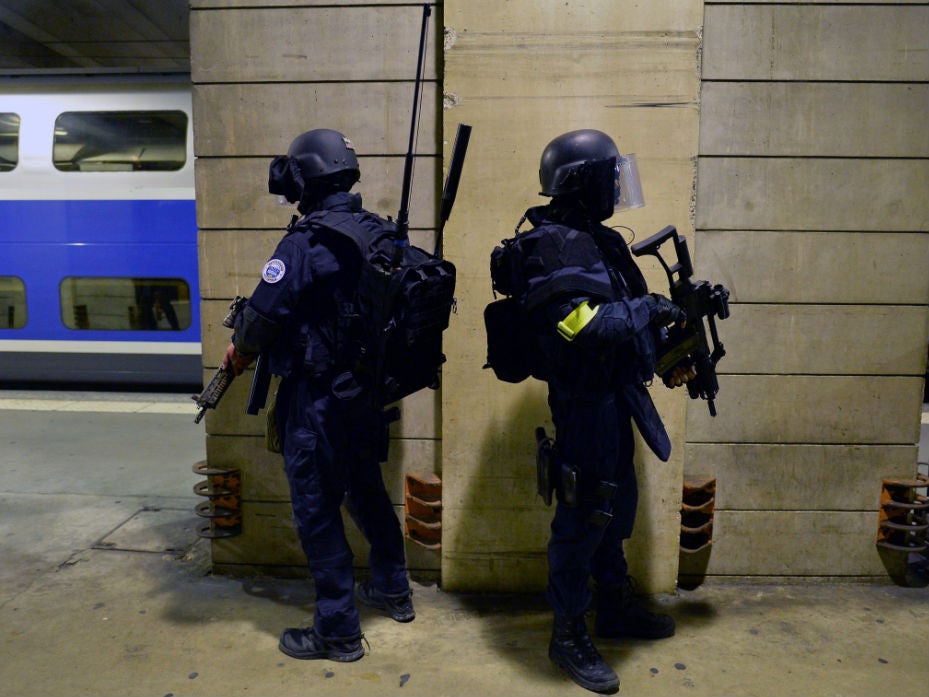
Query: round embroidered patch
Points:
[273, 271]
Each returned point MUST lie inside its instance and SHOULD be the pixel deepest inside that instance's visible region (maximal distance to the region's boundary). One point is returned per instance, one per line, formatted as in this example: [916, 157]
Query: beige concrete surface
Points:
[105, 590]
[262, 72]
[113, 622]
[801, 212]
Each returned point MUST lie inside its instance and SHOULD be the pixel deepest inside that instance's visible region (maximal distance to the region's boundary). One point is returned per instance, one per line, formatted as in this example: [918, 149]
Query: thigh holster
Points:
[564, 479]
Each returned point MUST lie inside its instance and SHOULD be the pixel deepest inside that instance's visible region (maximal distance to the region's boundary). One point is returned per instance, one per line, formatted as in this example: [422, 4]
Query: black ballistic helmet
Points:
[580, 168]
[322, 152]
[316, 160]
[567, 157]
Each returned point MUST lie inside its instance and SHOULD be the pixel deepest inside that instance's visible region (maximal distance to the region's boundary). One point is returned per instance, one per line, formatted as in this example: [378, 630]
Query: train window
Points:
[120, 141]
[12, 303]
[9, 141]
[125, 303]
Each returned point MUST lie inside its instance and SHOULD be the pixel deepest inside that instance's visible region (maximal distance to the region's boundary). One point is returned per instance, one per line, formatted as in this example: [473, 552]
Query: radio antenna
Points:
[403, 216]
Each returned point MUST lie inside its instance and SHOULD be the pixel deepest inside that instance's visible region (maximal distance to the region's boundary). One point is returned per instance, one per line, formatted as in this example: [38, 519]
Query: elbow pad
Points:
[254, 332]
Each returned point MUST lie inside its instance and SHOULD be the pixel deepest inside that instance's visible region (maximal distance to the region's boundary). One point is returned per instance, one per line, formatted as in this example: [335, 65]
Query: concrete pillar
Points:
[262, 74]
[521, 73]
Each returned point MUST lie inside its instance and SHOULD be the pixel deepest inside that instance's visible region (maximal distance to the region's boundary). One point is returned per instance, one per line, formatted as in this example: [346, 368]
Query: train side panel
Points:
[98, 239]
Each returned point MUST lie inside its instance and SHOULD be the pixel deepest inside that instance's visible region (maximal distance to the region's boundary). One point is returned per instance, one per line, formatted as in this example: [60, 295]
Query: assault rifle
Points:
[212, 393]
[700, 301]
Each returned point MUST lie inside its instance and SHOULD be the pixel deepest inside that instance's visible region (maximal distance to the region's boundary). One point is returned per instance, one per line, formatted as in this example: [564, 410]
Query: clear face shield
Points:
[628, 187]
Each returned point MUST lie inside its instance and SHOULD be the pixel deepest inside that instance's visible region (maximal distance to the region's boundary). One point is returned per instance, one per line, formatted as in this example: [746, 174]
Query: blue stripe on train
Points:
[42, 242]
[108, 222]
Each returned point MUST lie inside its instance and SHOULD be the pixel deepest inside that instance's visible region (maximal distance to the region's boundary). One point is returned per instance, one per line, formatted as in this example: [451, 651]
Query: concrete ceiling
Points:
[54, 36]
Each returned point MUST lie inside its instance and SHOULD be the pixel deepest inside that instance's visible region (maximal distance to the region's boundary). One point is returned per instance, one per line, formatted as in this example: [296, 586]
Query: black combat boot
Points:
[307, 645]
[399, 607]
[622, 614]
[572, 650]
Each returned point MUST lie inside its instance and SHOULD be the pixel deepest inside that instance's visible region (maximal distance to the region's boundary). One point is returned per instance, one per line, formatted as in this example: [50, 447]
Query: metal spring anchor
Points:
[698, 505]
[423, 509]
[223, 507]
[902, 527]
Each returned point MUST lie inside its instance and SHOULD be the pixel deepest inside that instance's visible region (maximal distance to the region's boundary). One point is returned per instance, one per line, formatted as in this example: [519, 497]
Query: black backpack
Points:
[397, 315]
[512, 343]
[532, 269]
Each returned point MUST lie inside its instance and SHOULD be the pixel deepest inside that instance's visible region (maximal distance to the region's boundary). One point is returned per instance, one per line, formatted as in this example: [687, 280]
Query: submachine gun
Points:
[702, 303]
[212, 393]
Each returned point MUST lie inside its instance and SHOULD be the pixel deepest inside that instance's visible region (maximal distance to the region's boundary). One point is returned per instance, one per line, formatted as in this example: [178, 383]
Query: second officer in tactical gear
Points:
[596, 327]
[332, 439]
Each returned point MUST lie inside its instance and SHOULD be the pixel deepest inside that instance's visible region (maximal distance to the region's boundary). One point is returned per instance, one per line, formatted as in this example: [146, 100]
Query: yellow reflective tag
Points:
[576, 321]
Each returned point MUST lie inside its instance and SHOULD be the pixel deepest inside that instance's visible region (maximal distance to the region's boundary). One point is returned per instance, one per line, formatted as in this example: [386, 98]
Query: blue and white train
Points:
[98, 234]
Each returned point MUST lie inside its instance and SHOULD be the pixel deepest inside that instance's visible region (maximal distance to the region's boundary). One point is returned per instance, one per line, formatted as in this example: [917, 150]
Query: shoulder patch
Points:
[273, 271]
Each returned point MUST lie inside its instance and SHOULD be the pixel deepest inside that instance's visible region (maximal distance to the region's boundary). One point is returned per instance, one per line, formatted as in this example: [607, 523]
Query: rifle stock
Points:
[698, 341]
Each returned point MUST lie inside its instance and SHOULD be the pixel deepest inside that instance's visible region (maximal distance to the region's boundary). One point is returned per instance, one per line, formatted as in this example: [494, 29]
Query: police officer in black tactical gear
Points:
[597, 327]
[332, 440]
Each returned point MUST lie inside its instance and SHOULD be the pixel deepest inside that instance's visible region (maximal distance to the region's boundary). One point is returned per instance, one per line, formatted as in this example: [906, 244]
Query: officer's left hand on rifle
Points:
[666, 314]
[680, 375]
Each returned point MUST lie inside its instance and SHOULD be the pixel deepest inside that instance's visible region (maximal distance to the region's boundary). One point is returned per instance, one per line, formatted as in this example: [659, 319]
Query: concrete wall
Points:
[813, 208]
[521, 73]
[264, 72]
[798, 168]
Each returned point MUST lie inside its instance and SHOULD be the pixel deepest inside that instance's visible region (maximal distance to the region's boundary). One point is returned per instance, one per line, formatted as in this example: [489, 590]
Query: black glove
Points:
[666, 312]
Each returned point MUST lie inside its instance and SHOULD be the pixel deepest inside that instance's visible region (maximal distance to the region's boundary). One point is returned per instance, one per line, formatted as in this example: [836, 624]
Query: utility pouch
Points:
[345, 386]
[510, 349]
[606, 490]
[545, 463]
[568, 491]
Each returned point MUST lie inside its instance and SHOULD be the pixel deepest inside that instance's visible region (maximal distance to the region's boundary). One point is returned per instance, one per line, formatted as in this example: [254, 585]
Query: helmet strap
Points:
[316, 190]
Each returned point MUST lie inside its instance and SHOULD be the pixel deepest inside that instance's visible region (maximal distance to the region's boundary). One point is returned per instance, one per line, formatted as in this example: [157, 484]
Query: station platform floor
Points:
[105, 590]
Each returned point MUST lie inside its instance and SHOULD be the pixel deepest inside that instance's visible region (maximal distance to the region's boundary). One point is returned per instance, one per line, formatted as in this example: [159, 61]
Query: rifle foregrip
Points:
[671, 355]
[209, 398]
